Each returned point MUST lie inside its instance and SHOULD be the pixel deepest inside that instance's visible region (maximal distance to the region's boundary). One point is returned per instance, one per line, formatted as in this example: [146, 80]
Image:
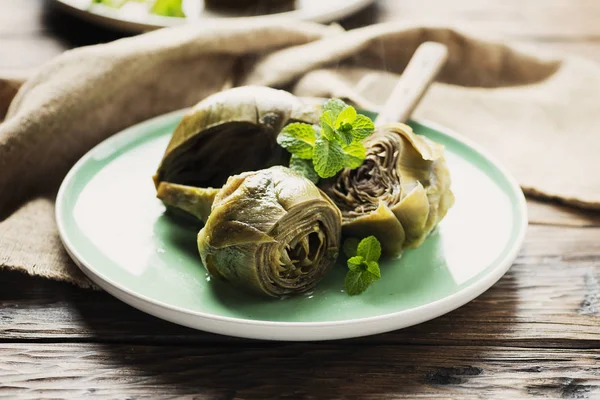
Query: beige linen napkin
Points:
[537, 115]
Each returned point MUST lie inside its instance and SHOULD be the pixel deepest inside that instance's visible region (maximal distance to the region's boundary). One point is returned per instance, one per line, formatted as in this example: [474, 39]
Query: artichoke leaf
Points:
[236, 233]
[427, 148]
[439, 195]
[413, 213]
[381, 223]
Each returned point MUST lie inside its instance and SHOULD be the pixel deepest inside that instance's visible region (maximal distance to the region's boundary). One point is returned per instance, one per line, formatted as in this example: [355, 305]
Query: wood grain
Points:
[549, 298]
[295, 371]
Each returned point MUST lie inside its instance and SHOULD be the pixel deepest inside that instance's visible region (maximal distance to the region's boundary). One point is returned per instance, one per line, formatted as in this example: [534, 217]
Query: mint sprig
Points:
[333, 145]
[362, 264]
[167, 8]
[299, 139]
[336, 106]
[110, 3]
[328, 157]
[304, 168]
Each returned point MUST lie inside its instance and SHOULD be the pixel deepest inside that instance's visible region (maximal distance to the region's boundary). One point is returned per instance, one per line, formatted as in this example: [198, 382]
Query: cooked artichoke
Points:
[399, 194]
[226, 134]
[271, 231]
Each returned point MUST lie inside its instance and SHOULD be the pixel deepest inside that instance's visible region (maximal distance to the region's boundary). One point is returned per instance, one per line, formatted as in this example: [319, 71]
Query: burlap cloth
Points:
[539, 115]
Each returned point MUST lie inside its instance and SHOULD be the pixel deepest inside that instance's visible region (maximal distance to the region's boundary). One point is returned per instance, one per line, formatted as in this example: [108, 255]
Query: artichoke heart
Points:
[400, 192]
[228, 133]
[271, 231]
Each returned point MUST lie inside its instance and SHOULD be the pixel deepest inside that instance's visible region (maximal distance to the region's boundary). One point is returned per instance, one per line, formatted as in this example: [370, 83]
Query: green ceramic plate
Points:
[116, 231]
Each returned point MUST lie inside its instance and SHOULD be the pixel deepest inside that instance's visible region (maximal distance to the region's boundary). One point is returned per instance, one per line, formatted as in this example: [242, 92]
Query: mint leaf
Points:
[328, 131]
[362, 127]
[328, 157]
[298, 139]
[363, 268]
[304, 168]
[355, 155]
[346, 118]
[335, 106]
[168, 8]
[346, 136]
[373, 268]
[327, 121]
[111, 3]
[350, 246]
[369, 248]
[358, 281]
[327, 118]
[343, 124]
[355, 263]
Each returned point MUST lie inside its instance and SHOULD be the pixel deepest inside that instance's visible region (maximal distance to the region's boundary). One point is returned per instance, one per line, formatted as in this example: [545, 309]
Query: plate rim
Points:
[325, 330]
[110, 18]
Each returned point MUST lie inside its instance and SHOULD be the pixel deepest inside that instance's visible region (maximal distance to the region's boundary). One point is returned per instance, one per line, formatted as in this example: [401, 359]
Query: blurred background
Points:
[34, 31]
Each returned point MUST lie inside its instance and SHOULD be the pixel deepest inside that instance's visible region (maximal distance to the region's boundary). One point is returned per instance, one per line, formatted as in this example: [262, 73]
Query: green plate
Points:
[117, 232]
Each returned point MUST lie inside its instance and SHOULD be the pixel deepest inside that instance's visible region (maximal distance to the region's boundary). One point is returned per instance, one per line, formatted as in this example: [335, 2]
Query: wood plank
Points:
[327, 370]
[550, 297]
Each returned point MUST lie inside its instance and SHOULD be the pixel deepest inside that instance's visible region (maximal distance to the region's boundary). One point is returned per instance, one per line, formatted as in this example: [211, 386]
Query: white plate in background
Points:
[135, 18]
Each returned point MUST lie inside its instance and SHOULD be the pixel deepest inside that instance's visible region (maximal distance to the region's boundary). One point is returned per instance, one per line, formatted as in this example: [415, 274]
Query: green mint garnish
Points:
[335, 106]
[299, 139]
[304, 168]
[362, 264]
[362, 127]
[333, 145]
[369, 248]
[355, 154]
[328, 157]
[111, 3]
[168, 8]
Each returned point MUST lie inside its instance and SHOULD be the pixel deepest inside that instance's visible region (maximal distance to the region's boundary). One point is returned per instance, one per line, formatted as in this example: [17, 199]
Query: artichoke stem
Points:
[193, 200]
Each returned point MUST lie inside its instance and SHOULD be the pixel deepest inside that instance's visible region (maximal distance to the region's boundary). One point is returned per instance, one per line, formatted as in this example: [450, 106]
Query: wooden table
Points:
[535, 333]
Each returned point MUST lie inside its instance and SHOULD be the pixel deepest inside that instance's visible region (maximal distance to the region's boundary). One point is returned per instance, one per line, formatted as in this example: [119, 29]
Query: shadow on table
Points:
[73, 31]
[421, 359]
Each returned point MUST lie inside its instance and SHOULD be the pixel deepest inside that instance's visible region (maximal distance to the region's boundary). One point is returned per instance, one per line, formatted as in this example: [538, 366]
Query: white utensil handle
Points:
[420, 72]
